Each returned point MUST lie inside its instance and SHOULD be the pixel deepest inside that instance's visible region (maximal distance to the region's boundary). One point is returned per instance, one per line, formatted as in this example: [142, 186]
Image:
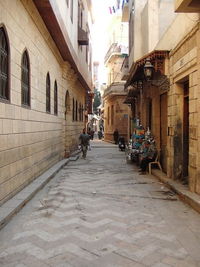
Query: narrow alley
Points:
[100, 212]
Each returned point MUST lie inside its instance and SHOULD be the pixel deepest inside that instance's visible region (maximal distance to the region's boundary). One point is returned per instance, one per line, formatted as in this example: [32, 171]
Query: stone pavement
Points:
[99, 212]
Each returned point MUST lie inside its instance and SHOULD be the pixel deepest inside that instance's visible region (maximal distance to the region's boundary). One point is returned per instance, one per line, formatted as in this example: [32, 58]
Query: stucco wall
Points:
[136, 49]
[166, 15]
[180, 27]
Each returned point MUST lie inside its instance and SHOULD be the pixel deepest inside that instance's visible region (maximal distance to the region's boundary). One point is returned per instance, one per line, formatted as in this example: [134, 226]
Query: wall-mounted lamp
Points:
[148, 69]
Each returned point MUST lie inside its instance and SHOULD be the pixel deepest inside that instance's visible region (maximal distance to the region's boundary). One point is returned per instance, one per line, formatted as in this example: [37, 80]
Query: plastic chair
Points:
[155, 162]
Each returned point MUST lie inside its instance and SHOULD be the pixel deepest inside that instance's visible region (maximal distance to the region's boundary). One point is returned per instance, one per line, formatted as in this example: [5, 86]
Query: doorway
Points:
[185, 131]
[163, 131]
[149, 113]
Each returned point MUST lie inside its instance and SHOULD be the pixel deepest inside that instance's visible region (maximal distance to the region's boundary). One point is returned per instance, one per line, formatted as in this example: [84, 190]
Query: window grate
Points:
[25, 80]
[4, 93]
[48, 94]
[55, 99]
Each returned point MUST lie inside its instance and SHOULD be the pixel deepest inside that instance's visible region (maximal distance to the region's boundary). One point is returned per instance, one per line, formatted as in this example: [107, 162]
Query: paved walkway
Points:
[99, 212]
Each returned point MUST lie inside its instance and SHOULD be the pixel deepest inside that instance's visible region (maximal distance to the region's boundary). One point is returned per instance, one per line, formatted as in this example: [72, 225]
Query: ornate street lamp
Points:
[148, 69]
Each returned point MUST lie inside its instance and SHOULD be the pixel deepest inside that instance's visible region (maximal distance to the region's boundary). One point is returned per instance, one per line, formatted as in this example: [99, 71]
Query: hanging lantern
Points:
[148, 69]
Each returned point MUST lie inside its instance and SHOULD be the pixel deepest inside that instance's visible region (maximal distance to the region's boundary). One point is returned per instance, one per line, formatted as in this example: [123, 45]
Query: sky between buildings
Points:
[103, 11]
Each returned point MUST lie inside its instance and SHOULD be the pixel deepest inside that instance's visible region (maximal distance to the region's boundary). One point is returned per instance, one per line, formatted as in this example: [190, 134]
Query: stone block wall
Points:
[183, 67]
[32, 140]
[120, 119]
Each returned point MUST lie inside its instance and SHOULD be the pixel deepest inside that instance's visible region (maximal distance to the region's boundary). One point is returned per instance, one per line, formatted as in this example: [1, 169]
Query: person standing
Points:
[92, 134]
[116, 136]
[84, 142]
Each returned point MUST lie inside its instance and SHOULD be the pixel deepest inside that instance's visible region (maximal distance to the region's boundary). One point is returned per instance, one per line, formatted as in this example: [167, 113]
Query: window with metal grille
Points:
[79, 111]
[55, 99]
[87, 46]
[25, 79]
[4, 65]
[76, 115]
[82, 115]
[48, 94]
[67, 104]
[73, 111]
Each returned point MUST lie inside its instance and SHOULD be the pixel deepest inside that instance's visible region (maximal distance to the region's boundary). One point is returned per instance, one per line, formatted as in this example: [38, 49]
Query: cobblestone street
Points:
[99, 212]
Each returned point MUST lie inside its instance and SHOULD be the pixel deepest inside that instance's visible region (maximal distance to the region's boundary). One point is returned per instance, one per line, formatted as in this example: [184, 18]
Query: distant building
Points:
[115, 112]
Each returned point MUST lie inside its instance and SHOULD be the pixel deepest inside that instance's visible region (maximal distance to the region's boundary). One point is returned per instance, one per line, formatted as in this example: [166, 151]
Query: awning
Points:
[137, 70]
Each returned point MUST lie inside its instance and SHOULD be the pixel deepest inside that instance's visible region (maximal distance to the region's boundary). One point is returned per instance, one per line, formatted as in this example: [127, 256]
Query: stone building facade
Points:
[174, 94]
[43, 89]
[116, 113]
[183, 111]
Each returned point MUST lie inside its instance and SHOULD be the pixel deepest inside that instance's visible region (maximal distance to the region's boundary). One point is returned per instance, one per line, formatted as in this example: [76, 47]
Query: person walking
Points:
[116, 136]
[84, 142]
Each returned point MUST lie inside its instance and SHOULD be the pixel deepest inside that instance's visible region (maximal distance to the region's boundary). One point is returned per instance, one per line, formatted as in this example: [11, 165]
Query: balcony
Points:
[82, 37]
[187, 6]
[114, 89]
[115, 50]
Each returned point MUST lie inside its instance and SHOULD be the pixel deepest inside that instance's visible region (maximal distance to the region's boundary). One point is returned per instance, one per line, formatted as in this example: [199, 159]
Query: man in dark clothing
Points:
[116, 136]
[148, 155]
[84, 142]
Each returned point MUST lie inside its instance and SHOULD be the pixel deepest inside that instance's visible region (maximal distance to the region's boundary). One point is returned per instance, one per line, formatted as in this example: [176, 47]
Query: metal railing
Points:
[114, 48]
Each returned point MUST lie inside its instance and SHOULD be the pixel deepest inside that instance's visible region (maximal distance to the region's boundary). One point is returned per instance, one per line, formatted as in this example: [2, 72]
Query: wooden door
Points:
[186, 132]
[163, 131]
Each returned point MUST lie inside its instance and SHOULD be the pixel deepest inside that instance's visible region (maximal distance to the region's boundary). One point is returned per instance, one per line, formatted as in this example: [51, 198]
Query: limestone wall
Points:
[184, 68]
[32, 140]
[120, 118]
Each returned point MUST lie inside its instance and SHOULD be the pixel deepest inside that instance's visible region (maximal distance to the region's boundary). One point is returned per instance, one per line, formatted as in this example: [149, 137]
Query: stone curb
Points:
[16, 203]
[182, 191]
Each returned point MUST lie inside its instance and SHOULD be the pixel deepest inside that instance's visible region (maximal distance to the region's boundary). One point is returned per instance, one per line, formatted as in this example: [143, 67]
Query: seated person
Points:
[138, 143]
[136, 149]
[148, 155]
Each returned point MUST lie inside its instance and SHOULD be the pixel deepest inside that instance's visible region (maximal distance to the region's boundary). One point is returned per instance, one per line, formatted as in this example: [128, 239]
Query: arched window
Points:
[55, 99]
[82, 113]
[25, 79]
[79, 111]
[76, 116]
[67, 104]
[48, 94]
[73, 111]
[4, 65]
